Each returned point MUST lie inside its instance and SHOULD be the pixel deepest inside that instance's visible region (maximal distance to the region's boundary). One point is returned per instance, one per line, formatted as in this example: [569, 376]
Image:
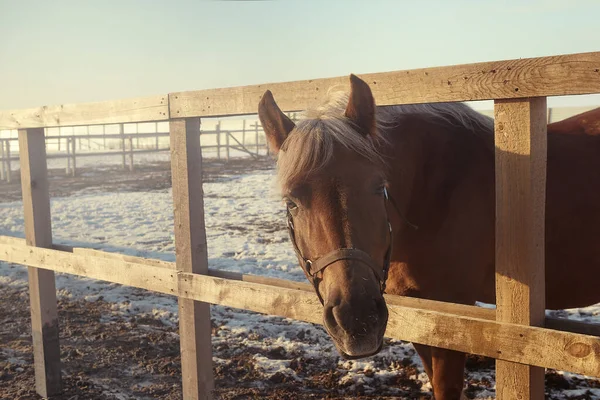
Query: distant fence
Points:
[516, 333]
[223, 144]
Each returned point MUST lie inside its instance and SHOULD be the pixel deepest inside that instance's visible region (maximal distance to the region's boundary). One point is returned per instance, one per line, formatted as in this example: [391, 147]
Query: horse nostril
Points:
[373, 319]
[328, 317]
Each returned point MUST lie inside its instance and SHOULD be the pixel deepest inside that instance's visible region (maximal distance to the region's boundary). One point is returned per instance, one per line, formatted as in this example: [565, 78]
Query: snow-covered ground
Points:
[246, 233]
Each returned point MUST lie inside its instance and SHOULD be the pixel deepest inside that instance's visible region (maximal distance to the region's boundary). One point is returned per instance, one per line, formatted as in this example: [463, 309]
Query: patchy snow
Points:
[246, 233]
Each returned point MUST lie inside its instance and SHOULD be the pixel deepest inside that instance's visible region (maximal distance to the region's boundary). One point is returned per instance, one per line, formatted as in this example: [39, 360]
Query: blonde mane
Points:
[310, 146]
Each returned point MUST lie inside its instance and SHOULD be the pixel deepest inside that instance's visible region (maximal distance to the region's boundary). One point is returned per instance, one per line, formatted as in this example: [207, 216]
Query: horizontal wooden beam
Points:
[528, 77]
[402, 301]
[560, 75]
[409, 321]
[143, 109]
[510, 342]
[157, 279]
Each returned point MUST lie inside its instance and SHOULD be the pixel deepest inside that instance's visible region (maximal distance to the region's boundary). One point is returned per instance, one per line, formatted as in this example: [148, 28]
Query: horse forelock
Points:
[310, 146]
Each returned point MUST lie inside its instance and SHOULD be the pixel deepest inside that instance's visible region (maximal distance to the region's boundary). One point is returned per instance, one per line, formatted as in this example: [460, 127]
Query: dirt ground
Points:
[109, 356]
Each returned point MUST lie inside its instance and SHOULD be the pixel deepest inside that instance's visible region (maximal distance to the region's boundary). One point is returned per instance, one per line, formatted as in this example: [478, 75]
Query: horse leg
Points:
[424, 353]
[448, 368]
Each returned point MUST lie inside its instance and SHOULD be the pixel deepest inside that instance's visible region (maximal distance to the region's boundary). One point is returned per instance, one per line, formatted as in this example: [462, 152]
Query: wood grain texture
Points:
[42, 287]
[433, 325]
[521, 148]
[191, 257]
[528, 77]
[510, 342]
[142, 109]
[157, 279]
[432, 305]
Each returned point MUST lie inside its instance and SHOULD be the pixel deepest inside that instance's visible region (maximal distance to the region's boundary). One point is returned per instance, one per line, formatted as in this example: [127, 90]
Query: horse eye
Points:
[290, 204]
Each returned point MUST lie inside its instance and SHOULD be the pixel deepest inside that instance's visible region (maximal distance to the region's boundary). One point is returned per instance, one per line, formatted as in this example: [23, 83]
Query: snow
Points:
[246, 233]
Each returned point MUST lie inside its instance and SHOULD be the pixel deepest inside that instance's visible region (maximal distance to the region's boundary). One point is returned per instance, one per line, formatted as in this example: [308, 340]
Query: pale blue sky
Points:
[62, 51]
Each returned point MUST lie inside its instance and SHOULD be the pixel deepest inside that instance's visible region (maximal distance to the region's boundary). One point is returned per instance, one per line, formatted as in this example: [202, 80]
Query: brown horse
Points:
[410, 190]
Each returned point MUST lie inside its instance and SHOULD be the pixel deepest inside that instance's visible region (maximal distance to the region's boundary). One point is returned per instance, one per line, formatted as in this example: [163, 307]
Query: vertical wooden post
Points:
[42, 289]
[8, 166]
[156, 131]
[256, 137]
[244, 133]
[218, 140]
[74, 153]
[2, 162]
[130, 153]
[122, 133]
[104, 137]
[123, 155]
[521, 143]
[191, 256]
[137, 138]
[227, 133]
[69, 147]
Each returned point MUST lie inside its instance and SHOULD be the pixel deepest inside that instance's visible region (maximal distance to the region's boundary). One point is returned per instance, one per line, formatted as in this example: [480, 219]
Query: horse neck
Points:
[428, 162]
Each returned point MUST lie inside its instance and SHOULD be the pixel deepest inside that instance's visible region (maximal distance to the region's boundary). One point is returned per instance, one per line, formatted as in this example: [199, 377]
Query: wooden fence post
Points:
[227, 133]
[42, 288]
[2, 162]
[244, 132]
[218, 130]
[88, 139]
[521, 143]
[69, 147]
[156, 131]
[74, 153]
[8, 166]
[256, 137]
[131, 153]
[191, 256]
[122, 133]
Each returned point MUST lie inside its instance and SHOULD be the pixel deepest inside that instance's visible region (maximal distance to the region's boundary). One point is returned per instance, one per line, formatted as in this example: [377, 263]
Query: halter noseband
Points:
[313, 267]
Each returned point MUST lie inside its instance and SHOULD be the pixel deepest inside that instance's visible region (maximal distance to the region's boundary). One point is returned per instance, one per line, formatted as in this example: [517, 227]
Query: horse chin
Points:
[347, 356]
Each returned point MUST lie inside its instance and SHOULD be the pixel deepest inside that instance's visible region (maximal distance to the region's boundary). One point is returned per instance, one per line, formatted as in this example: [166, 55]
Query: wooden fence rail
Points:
[517, 337]
[127, 150]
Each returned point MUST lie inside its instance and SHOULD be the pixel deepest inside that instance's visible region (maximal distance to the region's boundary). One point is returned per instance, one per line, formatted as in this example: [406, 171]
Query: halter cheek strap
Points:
[312, 268]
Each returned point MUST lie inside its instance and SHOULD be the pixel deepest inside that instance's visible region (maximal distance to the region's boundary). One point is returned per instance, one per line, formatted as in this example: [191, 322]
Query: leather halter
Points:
[313, 267]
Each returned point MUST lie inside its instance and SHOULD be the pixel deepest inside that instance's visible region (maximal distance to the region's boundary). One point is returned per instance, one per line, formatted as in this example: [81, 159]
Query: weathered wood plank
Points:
[42, 287]
[510, 342]
[142, 109]
[520, 135]
[592, 329]
[546, 347]
[528, 77]
[149, 277]
[191, 256]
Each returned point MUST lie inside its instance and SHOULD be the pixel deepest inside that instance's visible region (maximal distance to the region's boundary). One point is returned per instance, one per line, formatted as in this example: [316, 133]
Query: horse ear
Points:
[361, 106]
[276, 124]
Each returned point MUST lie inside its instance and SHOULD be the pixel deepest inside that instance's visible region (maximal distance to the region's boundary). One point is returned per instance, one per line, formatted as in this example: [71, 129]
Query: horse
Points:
[586, 123]
[401, 200]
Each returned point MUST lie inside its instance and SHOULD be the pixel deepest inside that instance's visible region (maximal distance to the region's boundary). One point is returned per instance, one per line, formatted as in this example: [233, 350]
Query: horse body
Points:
[437, 164]
[450, 257]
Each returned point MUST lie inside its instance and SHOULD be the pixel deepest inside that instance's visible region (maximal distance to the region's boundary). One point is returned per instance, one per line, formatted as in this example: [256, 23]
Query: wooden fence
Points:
[127, 145]
[517, 333]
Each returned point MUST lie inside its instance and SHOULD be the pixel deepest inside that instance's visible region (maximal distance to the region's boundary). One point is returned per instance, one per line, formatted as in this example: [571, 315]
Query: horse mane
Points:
[448, 115]
[310, 146]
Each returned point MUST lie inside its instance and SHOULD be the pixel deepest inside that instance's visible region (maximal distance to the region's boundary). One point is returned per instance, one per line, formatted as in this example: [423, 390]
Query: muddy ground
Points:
[107, 355]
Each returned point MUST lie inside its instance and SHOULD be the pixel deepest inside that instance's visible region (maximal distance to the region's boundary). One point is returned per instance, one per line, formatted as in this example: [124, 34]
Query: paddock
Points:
[517, 333]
